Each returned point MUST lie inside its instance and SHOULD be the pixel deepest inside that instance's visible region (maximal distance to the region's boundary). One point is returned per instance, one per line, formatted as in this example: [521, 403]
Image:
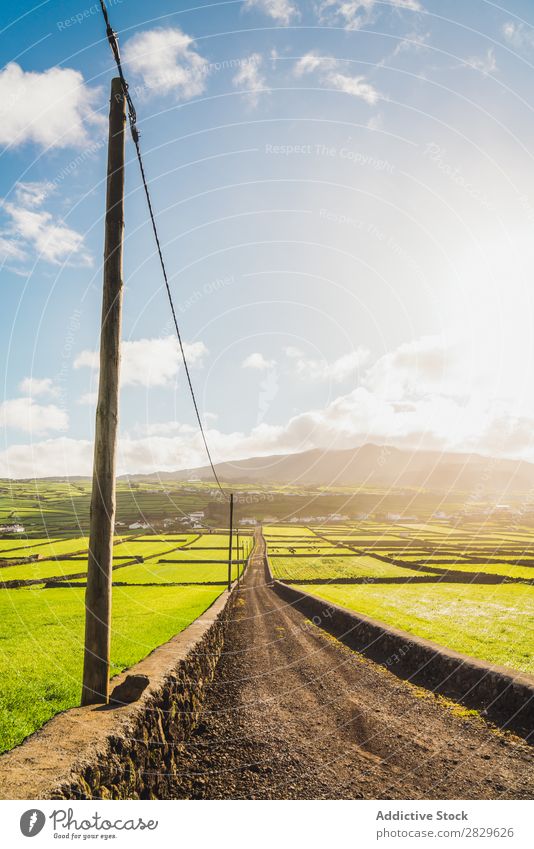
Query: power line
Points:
[132, 120]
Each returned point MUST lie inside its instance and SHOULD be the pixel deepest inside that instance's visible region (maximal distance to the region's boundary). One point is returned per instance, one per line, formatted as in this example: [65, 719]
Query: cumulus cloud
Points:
[26, 415]
[166, 61]
[349, 421]
[250, 79]
[257, 361]
[354, 14]
[430, 364]
[311, 62]
[426, 393]
[53, 108]
[281, 11]
[33, 230]
[39, 386]
[148, 362]
[48, 458]
[331, 75]
[338, 371]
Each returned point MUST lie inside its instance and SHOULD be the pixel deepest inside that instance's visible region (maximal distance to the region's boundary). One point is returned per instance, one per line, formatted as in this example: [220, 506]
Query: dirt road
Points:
[292, 713]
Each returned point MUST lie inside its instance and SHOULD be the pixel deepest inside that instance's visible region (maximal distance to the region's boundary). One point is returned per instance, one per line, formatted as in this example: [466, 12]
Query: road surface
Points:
[294, 714]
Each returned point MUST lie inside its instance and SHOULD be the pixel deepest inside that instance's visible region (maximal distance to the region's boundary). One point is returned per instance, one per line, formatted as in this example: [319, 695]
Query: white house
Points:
[15, 528]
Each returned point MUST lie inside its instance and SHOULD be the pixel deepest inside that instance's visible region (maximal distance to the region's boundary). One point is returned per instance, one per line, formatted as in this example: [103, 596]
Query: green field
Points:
[487, 622]
[324, 568]
[490, 621]
[41, 640]
[41, 629]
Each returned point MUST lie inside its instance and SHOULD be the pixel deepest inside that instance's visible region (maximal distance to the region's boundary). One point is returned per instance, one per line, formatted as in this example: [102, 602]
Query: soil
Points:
[294, 714]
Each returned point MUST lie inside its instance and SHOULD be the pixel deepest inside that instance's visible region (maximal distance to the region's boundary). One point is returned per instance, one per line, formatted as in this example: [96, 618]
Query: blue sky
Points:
[345, 196]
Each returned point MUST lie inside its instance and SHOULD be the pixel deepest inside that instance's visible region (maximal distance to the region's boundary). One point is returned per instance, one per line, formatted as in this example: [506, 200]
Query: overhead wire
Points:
[132, 120]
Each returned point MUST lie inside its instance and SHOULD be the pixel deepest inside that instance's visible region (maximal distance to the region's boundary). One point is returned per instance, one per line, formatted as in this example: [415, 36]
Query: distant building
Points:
[195, 517]
[14, 528]
[139, 526]
[248, 521]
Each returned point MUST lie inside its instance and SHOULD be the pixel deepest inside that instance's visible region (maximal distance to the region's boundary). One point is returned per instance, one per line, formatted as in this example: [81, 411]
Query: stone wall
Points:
[503, 695]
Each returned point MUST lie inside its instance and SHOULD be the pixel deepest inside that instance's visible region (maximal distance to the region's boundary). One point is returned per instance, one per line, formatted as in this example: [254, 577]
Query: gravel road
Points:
[294, 714]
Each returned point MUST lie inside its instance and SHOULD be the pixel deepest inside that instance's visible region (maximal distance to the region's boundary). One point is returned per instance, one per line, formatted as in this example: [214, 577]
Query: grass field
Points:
[323, 568]
[41, 629]
[41, 644]
[490, 621]
[487, 622]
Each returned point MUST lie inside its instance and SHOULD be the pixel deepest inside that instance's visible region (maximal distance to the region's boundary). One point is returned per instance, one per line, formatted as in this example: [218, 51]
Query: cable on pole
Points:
[132, 120]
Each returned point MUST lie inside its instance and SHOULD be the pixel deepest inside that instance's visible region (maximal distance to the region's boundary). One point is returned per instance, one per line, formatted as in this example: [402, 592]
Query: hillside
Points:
[373, 466]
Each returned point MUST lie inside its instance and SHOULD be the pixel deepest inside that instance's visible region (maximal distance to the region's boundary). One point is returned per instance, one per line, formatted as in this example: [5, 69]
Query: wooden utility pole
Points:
[238, 555]
[230, 541]
[102, 519]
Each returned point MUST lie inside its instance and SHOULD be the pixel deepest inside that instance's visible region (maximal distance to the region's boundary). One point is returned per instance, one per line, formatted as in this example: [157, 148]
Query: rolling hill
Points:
[374, 466]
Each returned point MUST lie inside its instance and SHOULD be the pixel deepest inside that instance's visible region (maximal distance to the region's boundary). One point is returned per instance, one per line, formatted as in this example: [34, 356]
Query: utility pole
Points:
[238, 555]
[102, 518]
[230, 541]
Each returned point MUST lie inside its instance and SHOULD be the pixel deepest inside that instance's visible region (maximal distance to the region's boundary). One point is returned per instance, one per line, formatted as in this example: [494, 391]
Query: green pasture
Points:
[162, 573]
[493, 623]
[41, 644]
[323, 568]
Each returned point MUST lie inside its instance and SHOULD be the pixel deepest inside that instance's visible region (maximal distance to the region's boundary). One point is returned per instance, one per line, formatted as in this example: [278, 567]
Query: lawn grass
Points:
[41, 644]
[493, 623]
[315, 568]
[162, 573]
[55, 548]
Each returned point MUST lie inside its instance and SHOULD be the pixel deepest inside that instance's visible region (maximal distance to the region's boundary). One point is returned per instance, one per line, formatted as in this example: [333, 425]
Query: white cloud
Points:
[33, 194]
[31, 229]
[166, 62]
[49, 458]
[9, 249]
[348, 421]
[519, 35]
[292, 352]
[413, 41]
[282, 11]
[331, 76]
[54, 108]
[88, 398]
[148, 362]
[355, 86]
[486, 64]
[339, 370]
[428, 365]
[257, 361]
[311, 62]
[432, 392]
[250, 79]
[24, 414]
[39, 386]
[354, 14]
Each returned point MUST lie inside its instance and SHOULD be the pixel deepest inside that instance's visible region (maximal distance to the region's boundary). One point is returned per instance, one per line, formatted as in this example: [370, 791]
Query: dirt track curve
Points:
[292, 713]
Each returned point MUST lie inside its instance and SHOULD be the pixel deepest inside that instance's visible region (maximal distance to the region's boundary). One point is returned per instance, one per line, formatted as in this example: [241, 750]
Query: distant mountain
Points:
[372, 466]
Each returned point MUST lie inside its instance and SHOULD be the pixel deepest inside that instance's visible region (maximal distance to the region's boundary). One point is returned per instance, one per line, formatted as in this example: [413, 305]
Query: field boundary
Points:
[504, 696]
